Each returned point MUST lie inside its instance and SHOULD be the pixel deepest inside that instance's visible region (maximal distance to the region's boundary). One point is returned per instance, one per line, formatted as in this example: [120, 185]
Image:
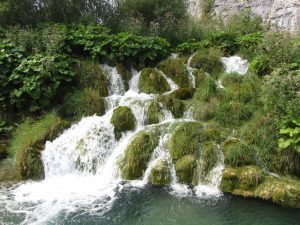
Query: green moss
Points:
[137, 155]
[209, 157]
[242, 180]
[184, 168]
[208, 60]
[154, 112]
[237, 153]
[90, 75]
[123, 120]
[183, 93]
[152, 82]
[125, 74]
[174, 105]
[83, 103]
[176, 70]
[185, 140]
[28, 142]
[160, 174]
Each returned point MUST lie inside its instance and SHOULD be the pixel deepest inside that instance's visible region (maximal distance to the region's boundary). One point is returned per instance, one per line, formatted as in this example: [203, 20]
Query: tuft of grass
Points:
[184, 168]
[154, 112]
[28, 142]
[176, 70]
[160, 174]
[85, 102]
[90, 75]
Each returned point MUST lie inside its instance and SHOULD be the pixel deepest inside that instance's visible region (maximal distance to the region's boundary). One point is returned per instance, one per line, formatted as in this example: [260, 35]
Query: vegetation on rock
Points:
[152, 82]
[160, 174]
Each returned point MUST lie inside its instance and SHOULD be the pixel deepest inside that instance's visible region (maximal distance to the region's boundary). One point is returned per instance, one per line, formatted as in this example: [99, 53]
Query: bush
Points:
[28, 142]
[83, 103]
[152, 82]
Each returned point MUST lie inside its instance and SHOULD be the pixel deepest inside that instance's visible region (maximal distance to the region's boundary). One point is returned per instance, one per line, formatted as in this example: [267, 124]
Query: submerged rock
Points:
[152, 82]
[160, 174]
[176, 70]
[123, 120]
[137, 155]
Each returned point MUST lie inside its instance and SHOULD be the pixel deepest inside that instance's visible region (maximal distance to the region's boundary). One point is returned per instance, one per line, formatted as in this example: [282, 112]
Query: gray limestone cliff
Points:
[280, 14]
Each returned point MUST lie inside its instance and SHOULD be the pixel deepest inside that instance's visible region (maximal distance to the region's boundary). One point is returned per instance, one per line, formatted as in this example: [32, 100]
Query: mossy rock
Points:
[205, 110]
[160, 174]
[174, 105]
[123, 120]
[183, 93]
[152, 82]
[90, 75]
[185, 140]
[241, 180]
[137, 155]
[29, 141]
[125, 74]
[184, 168]
[176, 70]
[83, 103]
[208, 60]
[154, 112]
[209, 157]
[237, 153]
[8, 172]
[283, 191]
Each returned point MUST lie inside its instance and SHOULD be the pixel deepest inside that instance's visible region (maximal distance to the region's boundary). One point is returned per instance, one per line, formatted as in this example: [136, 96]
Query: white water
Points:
[235, 64]
[80, 165]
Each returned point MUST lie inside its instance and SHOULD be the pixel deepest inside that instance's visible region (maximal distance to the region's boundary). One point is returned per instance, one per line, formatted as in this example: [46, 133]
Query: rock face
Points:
[280, 14]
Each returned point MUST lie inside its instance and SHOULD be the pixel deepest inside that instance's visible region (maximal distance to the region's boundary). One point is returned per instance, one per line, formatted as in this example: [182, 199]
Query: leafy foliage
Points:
[290, 136]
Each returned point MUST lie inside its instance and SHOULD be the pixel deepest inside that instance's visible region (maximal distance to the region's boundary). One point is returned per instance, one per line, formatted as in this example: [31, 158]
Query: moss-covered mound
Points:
[90, 75]
[160, 174]
[174, 105]
[184, 168]
[183, 93]
[176, 70]
[125, 74]
[8, 172]
[83, 103]
[208, 60]
[237, 153]
[152, 82]
[209, 157]
[154, 112]
[250, 181]
[185, 140]
[137, 155]
[200, 77]
[28, 142]
[123, 120]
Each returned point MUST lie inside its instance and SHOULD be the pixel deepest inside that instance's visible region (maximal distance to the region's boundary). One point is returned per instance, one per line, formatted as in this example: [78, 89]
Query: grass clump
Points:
[174, 105]
[85, 102]
[154, 112]
[237, 153]
[152, 82]
[90, 75]
[176, 70]
[137, 155]
[123, 120]
[160, 174]
[208, 60]
[183, 93]
[200, 77]
[28, 143]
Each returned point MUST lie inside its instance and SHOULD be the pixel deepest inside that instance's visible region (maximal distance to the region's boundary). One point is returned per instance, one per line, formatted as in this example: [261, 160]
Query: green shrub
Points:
[38, 79]
[208, 60]
[176, 70]
[28, 142]
[152, 82]
[137, 155]
[84, 103]
[123, 120]
[226, 41]
[90, 75]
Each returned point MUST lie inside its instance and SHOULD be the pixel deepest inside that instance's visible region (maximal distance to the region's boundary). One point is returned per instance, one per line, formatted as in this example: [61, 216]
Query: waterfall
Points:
[235, 64]
[81, 169]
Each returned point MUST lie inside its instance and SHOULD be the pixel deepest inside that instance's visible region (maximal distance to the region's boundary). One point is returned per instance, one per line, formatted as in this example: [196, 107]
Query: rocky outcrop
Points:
[280, 14]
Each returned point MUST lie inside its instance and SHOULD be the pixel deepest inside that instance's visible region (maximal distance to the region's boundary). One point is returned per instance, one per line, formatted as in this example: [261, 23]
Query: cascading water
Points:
[80, 165]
